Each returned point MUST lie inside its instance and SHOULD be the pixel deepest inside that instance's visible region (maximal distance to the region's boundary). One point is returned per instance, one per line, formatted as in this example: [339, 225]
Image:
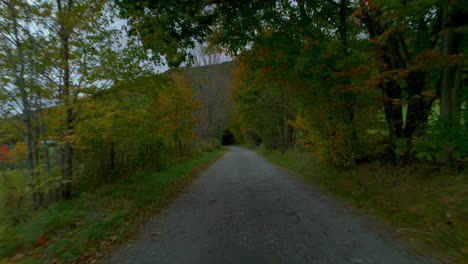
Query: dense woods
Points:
[355, 80]
[376, 86]
[82, 107]
[82, 104]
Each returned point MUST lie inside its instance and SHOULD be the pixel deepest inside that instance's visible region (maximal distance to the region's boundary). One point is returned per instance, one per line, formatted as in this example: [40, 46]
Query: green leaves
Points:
[168, 27]
[441, 138]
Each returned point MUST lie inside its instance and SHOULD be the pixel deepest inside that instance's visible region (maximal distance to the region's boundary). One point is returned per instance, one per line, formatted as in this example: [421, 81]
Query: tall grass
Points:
[13, 200]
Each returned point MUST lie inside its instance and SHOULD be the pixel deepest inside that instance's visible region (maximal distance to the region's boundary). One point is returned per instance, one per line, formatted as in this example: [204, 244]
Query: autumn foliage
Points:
[371, 91]
[5, 153]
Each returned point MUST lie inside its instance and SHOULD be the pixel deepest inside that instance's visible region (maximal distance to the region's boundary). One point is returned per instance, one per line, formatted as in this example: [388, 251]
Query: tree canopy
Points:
[349, 68]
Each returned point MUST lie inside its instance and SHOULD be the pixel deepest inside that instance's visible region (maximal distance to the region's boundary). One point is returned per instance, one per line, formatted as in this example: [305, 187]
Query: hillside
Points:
[211, 85]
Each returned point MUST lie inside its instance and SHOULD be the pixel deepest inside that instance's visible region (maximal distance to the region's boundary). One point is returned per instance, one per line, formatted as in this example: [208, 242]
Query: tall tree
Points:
[90, 57]
[453, 23]
[19, 85]
[14, 47]
[400, 39]
[401, 34]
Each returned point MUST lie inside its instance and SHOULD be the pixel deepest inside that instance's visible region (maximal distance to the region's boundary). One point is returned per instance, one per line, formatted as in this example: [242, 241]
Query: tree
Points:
[56, 58]
[235, 25]
[90, 58]
[173, 28]
[19, 87]
[401, 40]
[261, 96]
[453, 23]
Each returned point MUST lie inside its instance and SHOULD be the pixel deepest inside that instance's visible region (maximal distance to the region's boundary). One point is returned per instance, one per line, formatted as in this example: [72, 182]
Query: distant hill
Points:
[211, 85]
[224, 68]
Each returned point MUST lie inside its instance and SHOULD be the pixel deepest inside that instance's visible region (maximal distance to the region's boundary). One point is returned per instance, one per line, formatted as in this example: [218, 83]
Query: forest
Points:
[370, 86]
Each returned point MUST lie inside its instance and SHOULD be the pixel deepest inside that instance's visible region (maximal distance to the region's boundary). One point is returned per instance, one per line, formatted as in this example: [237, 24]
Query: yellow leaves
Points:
[300, 123]
[155, 107]
[170, 113]
[108, 117]
[132, 119]
[306, 135]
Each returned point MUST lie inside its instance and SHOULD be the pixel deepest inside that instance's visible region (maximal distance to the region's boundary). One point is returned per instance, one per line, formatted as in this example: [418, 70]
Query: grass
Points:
[12, 186]
[428, 210]
[82, 228]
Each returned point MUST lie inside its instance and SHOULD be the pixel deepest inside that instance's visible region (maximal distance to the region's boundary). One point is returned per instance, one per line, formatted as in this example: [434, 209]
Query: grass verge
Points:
[79, 230]
[418, 202]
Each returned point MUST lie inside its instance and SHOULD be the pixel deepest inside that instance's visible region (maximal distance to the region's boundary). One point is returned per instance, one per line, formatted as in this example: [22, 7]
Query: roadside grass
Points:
[10, 178]
[418, 202]
[82, 228]
[12, 200]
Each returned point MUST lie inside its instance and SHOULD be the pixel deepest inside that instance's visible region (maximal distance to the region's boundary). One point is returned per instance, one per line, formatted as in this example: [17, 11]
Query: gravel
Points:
[243, 209]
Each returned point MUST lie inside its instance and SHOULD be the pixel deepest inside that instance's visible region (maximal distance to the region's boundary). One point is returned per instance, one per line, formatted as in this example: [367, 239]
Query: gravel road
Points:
[243, 209]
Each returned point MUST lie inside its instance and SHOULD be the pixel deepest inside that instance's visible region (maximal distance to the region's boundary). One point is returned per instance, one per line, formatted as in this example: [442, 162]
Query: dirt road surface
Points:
[243, 209]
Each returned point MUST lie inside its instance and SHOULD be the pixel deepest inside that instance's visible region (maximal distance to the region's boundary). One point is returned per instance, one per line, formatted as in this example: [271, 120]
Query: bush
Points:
[13, 198]
[442, 139]
[207, 145]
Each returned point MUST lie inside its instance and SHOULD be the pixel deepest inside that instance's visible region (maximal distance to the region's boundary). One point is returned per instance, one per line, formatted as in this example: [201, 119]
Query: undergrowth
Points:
[82, 228]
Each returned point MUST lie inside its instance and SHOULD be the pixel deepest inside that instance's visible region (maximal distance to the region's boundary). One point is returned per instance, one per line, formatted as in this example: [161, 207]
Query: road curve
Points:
[243, 209]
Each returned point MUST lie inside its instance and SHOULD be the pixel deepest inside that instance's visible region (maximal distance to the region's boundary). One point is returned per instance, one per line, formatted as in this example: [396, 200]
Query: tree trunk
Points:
[400, 133]
[67, 148]
[348, 111]
[46, 145]
[285, 128]
[18, 65]
[343, 27]
[418, 106]
[179, 143]
[451, 77]
[67, 170]
[47, 196]
[112, 158]
[449, 104]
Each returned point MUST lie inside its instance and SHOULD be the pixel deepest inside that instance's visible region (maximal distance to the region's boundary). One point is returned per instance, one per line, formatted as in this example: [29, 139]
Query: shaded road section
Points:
[243, 209]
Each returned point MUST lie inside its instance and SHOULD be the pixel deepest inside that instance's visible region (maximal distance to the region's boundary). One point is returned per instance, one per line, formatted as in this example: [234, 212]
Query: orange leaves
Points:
[171, 112]
[18, 153]
[163, 100]
[307, 46]
[369, 4]
[266, 69]
[362, 12]
[364, 5]
[357, 71]
[41, 241]
[356, 13]
[5, 153]
[430, 54]
[431, 59]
